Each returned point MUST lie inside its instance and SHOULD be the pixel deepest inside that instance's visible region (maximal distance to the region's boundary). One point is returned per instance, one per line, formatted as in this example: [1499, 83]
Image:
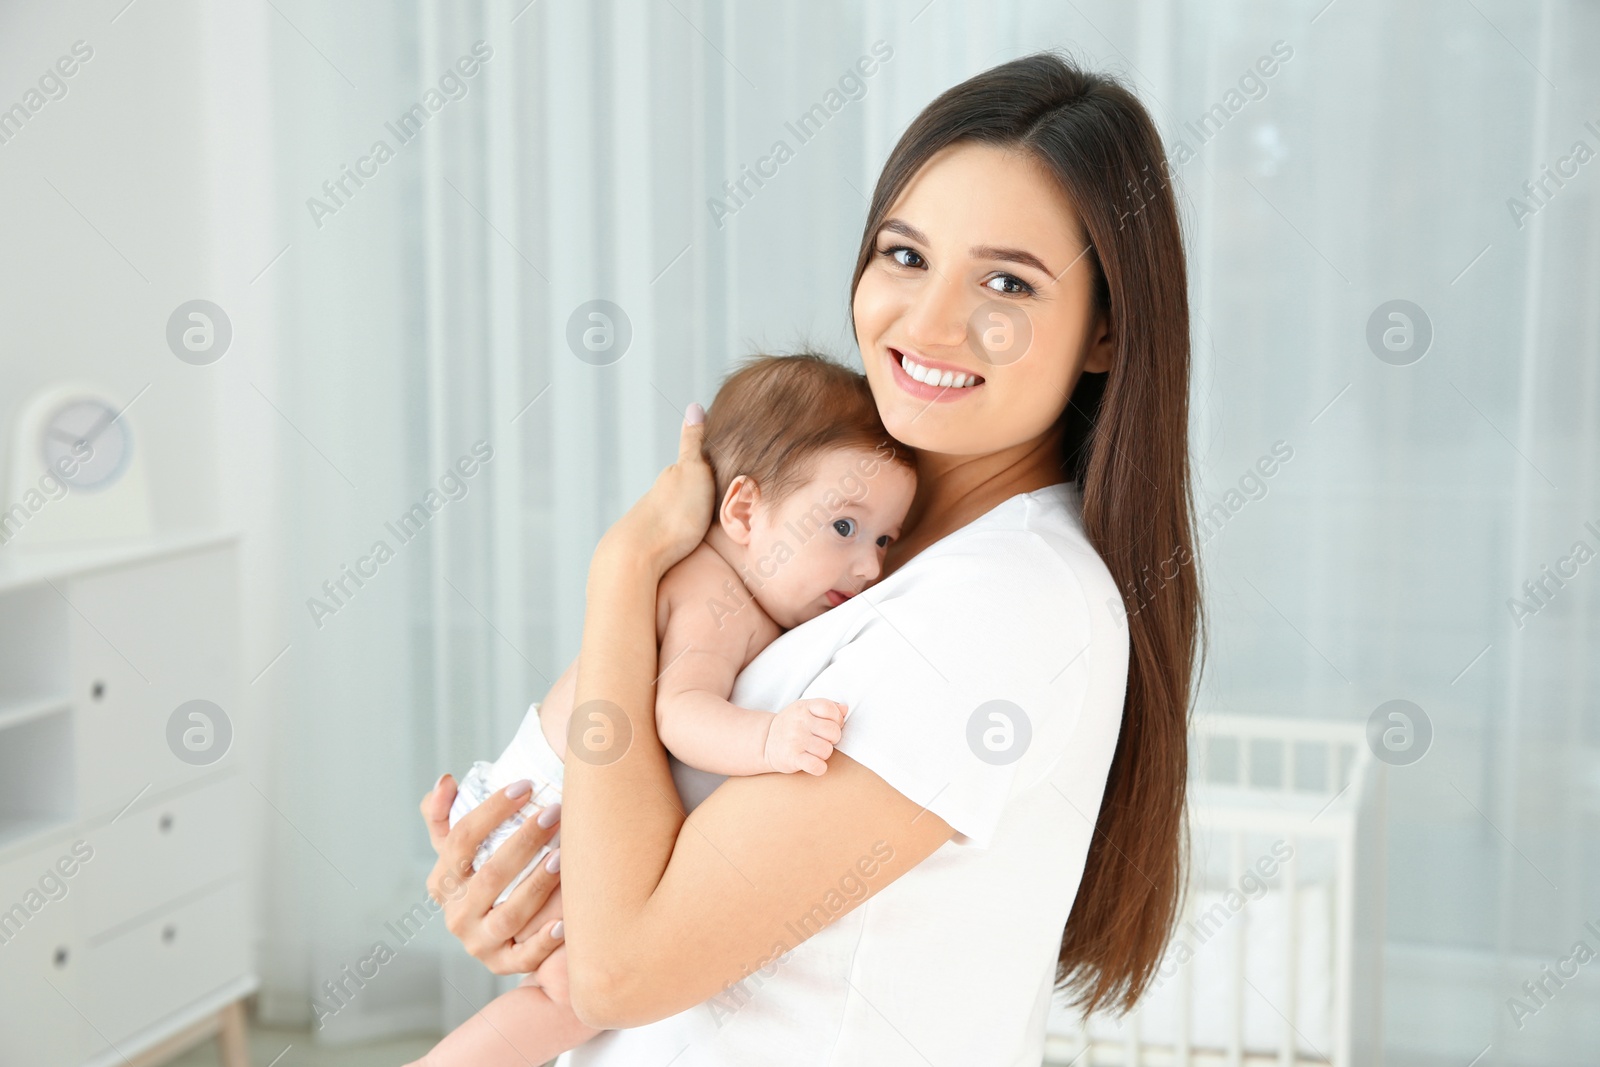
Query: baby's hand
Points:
[802, 735]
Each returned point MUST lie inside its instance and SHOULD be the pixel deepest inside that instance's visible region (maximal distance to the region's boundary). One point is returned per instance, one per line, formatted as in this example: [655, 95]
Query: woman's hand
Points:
[669, 520]
[514, 937]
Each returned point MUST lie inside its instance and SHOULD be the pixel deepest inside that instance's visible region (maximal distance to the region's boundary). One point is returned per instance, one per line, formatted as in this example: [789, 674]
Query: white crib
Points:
[1278, 956]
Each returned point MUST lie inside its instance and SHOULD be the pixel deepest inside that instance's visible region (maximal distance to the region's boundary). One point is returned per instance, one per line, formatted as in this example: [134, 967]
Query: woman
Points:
[1003, 811]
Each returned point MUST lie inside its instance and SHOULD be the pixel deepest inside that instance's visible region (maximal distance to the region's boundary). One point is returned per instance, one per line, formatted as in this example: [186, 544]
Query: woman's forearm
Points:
[621, 815]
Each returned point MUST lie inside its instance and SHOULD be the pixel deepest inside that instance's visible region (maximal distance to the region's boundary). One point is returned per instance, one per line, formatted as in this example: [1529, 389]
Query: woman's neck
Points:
[954, 490]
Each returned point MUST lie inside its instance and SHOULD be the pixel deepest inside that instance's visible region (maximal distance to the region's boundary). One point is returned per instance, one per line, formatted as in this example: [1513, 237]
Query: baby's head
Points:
[811, 489]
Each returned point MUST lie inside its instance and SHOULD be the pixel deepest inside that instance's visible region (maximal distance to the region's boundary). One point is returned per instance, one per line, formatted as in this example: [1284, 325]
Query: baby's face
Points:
[825, 542]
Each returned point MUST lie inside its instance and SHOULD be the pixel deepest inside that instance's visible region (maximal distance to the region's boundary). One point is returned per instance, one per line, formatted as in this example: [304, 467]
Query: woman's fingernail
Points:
[519, 789]
[559, 930]
[553, 864]
[550, 816]
[695, 415]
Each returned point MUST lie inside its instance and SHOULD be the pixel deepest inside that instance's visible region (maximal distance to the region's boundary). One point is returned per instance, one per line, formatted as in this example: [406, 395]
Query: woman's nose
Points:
[938, 317]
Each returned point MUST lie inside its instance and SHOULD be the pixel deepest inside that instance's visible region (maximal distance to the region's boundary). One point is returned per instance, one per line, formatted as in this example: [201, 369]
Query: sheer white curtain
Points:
[604, 152]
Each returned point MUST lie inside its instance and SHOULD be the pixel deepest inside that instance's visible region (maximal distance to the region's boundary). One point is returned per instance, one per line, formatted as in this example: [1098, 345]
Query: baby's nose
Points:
[867, 567]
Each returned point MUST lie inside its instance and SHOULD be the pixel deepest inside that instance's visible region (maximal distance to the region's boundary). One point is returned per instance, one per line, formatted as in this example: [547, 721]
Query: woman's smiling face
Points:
[979, 270]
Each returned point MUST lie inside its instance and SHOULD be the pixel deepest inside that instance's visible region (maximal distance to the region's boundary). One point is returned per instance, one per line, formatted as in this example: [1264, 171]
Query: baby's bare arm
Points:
[694, 717]
[707, 637]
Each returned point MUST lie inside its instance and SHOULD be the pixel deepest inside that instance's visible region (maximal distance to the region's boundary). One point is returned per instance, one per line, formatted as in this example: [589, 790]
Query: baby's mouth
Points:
[835, 598]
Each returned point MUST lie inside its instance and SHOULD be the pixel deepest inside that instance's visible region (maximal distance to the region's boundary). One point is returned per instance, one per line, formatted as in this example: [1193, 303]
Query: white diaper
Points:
[528, 756]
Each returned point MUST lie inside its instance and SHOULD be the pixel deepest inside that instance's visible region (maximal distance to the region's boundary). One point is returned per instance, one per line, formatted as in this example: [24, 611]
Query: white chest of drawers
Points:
[123, 913]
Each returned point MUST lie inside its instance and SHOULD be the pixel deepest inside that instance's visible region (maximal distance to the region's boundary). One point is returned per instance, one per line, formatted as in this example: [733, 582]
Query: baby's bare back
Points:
[704, 605]
[708, 628]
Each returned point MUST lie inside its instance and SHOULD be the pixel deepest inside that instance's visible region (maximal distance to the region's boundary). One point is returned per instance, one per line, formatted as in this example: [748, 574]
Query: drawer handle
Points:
[61, 956]
[169, 933]
[98, 690]
[166, 823]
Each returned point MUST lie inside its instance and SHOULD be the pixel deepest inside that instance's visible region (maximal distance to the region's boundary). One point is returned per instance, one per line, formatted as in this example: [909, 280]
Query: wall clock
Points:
[75, 472]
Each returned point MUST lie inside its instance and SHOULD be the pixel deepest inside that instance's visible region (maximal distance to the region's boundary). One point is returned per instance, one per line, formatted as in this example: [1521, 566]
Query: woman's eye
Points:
[906, 257]
[1009, 283]
[844, 527]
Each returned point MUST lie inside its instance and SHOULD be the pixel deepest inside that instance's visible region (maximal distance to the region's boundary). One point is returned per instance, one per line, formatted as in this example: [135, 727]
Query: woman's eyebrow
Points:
[905, 229]
[1012, 255]
[1009, 255]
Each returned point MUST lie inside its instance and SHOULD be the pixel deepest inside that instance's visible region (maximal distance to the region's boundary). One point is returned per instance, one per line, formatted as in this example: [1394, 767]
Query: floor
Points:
[270, 1047]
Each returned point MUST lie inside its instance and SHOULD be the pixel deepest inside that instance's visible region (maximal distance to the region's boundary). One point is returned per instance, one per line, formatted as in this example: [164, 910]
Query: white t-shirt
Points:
[953, 962]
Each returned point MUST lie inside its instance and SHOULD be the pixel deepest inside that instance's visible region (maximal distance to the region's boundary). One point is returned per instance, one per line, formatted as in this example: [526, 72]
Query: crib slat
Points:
[1291, 942]
[1236, 1031]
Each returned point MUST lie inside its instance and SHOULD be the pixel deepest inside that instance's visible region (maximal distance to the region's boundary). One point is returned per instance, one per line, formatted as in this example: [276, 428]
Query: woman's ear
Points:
[737, 514]
[1102, 345]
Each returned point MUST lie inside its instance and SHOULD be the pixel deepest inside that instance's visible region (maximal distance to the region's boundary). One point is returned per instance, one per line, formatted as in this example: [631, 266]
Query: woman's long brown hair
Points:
[1125, 442]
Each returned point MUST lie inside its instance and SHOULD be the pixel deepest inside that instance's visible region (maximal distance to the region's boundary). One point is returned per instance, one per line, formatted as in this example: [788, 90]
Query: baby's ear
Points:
[737, 513]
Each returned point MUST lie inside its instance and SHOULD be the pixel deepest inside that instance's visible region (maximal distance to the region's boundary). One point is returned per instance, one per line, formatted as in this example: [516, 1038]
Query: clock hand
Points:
[62, 435]
[100, 425]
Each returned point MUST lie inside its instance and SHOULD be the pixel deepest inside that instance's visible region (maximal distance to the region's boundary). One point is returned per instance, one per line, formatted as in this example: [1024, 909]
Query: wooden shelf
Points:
[30, 566]
[17, 712]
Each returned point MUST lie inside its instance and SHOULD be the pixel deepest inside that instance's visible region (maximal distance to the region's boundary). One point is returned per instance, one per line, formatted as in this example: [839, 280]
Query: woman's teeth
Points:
[944, 379]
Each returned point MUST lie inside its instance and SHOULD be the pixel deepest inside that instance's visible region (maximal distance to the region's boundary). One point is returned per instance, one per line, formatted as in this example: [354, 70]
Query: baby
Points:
[811, 490]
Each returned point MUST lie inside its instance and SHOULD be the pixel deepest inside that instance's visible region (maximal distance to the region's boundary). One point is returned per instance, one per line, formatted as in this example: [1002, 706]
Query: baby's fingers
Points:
[812, 765]
[830, 710]
[818, 747]
[825, 727]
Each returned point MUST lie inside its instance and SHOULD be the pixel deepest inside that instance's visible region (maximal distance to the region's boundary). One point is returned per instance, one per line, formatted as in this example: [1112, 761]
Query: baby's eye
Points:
[844, 527]
[883, 542]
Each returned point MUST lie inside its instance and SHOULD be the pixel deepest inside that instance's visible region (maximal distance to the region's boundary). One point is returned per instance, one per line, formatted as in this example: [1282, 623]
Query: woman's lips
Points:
[922, 390]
